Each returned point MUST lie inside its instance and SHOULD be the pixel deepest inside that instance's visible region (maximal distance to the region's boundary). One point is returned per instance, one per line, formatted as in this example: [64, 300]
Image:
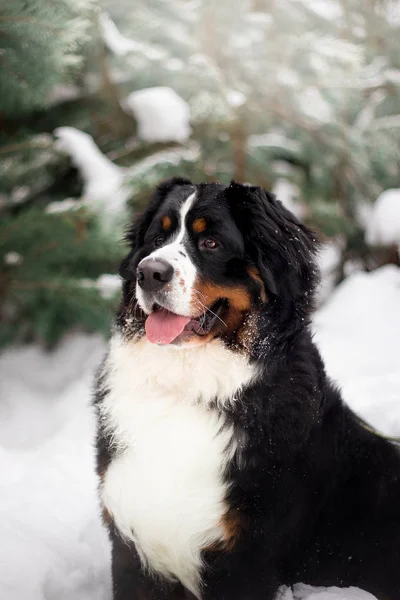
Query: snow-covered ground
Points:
[52, 546]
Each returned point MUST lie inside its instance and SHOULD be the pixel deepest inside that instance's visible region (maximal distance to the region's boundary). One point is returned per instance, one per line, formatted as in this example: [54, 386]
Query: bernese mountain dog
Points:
[228, 463]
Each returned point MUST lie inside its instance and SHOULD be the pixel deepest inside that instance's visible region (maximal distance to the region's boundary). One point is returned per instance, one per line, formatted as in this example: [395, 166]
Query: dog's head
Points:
[209, 261]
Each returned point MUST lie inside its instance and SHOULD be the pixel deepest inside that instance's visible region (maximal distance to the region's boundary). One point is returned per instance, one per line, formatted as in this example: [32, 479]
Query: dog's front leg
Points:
[241, 578]
[130, 580]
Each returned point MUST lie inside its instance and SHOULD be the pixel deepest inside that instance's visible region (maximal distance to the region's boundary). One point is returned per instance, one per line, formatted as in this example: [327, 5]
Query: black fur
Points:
[317, 494]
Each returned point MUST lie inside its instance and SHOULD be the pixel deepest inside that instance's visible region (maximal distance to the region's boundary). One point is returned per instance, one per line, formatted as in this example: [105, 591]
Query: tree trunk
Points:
[239, 142]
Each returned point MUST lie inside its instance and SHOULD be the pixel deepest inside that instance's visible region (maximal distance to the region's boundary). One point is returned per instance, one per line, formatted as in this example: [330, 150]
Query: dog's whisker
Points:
[209, 309]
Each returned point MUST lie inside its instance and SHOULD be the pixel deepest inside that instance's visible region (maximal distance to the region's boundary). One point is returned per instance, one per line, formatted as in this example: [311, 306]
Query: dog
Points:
[228, 463]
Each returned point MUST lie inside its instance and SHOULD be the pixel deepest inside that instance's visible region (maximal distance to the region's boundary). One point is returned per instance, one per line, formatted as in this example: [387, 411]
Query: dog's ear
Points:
[141, 223]
[281, 247]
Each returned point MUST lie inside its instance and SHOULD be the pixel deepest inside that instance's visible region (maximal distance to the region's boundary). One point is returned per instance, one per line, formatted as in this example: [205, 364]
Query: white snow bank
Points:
[328, 261]
[50, 528]
[52, 546]
[307, 592]
[358, 331]
[383, 227]
[162, 115]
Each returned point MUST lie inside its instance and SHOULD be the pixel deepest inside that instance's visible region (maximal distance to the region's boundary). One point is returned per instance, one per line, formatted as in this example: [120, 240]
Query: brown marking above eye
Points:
[255, 274]
[199, 225]
[166, 222]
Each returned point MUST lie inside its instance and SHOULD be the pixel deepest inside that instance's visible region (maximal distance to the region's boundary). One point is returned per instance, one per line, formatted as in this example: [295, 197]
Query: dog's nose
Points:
[153, 274]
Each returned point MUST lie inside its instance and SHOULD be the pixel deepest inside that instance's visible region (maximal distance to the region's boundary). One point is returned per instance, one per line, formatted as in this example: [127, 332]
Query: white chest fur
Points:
[165, 490]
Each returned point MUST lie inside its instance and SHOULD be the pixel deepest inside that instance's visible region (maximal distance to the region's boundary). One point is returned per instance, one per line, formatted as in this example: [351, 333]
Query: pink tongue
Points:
[162, 326]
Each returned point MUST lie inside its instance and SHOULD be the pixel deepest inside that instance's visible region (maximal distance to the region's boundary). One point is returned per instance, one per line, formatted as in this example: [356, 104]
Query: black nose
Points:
[153, 274]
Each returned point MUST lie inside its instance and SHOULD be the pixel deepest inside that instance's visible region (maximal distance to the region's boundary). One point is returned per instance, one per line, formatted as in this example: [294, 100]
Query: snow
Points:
[51, 530]
[62, 206]
[328, 261]
[330, 9]
[107, 187]
[288, 77]
[63, 93]
[20, 194]
[235, 98]
[108, 285]
[151, 168]
[393, 76]
[358, 331]
[258, 18]
[367, 115]
[314, 105]
[173, 157]
[307, 592]
[120, 45]
[162, 115]
[53, 547]
[115, 41]
[12, 258]
[289, 194]
[174, 64]
[104, 190]
[383, 227]
[390, 122]
[274, 139]
[341, 50]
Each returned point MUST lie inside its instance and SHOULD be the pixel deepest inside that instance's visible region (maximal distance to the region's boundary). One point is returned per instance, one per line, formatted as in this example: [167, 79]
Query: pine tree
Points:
[300, 96]
[50, 263]
[311, 84]
[42, 43]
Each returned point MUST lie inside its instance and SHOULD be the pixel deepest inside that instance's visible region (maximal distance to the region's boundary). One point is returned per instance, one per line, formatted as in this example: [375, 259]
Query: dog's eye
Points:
[209, 244]
[158, 240]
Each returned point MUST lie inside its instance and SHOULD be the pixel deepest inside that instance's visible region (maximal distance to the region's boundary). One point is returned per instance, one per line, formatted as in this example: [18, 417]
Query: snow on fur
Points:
[51, 531]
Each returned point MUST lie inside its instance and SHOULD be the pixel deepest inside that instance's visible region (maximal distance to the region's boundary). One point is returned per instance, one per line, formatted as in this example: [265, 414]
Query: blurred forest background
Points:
[101, 100]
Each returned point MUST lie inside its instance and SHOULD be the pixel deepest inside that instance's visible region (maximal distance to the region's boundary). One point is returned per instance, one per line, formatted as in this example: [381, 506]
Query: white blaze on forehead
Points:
[186, 206]
[179, 297]
[176, 244]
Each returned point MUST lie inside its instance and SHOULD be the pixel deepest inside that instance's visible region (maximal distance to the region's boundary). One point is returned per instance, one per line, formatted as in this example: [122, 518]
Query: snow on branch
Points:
[383, 228]
[120, 45]
[274, 140]
[104, 190]
[162, 115]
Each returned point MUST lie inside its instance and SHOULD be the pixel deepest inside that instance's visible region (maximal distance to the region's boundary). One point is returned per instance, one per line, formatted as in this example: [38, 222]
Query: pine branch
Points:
[29, 20]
